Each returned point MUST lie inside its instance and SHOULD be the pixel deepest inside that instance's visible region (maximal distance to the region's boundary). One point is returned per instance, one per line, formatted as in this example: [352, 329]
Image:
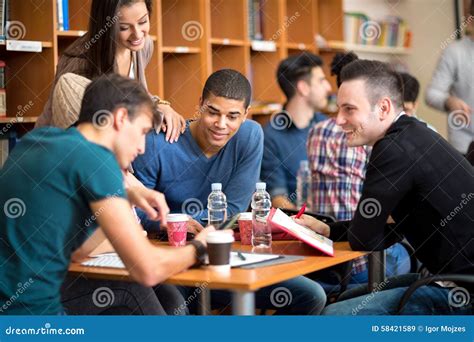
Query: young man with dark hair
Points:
[338, 173]
[411, 89]
[302, 80]
[221, 146]
[59, 185]
[415, 177]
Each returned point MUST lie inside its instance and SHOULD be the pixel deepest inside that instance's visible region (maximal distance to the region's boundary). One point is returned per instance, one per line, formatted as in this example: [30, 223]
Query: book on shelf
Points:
[359, 29]
[3, 93]
[3, 19]
[2, 74]
[255, 19]
[63, 14]
[3, 103]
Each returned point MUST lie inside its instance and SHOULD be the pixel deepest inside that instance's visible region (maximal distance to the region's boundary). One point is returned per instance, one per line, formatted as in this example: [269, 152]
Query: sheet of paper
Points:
[113, 260]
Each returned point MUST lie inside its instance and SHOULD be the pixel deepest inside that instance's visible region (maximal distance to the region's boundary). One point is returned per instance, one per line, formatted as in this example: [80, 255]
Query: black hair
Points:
[98, 47]
[230, 84]
[339, 61]
[106, 93]
[380, 80]
[296, 68]
[411, 87]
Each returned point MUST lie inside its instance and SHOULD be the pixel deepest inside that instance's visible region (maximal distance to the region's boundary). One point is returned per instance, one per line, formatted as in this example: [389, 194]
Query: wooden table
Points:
[242, 283]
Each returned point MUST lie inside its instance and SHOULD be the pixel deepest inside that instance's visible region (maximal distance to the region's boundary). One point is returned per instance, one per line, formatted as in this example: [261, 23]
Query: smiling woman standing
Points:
[117, 41]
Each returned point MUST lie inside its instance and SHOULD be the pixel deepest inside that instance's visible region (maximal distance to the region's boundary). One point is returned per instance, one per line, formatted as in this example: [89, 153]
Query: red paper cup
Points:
[245, 228]
[177, 229]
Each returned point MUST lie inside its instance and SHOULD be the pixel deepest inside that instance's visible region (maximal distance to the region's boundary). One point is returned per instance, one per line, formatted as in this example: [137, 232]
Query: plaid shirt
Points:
[338, 172]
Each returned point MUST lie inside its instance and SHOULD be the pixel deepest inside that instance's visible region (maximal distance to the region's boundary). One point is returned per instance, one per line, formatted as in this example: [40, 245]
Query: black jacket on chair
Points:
[427, 187]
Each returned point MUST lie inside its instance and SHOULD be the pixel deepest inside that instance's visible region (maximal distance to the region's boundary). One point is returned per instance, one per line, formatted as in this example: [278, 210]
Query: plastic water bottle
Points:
[303, 185]
[217, 205]
[261, 205]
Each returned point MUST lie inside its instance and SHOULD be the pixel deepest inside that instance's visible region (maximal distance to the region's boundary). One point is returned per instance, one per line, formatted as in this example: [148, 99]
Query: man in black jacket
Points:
[415, 177]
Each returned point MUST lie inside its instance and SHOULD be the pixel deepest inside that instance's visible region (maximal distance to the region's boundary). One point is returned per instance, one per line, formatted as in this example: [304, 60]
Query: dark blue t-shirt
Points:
[183, 173]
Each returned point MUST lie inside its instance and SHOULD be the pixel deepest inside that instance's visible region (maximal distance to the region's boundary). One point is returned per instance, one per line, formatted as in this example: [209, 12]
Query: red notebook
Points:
[278, 219]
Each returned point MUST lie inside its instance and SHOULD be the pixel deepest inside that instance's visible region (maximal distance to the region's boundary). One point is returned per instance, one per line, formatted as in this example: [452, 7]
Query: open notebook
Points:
[279, 219]
[113, 260]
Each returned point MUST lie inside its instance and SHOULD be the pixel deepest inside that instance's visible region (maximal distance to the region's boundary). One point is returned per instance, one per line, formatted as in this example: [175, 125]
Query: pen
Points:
[301, 212]
[241, 256]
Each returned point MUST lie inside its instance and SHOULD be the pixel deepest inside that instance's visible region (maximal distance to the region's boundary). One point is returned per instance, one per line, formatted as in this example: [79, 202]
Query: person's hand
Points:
[455, 103]
[173, 124]
[194, 226]
[313, 224]
[203, 234]
[150, 201]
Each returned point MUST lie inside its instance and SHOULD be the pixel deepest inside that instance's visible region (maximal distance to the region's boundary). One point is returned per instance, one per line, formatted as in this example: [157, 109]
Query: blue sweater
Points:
[284, 148]
[184, 174]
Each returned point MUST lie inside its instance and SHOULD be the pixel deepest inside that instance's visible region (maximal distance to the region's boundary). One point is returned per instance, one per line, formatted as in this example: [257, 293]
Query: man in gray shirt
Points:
[451, 88]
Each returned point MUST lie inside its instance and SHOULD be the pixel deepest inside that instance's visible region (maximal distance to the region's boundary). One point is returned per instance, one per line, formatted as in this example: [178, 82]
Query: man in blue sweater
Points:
[221, 146]
[306, 88]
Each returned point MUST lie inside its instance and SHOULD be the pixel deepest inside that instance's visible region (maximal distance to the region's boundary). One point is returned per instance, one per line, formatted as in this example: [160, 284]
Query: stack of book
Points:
[63, 14]
[391, 32]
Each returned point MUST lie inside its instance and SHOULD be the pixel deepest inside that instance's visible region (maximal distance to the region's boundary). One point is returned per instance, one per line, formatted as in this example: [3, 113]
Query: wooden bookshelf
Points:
[192, 38]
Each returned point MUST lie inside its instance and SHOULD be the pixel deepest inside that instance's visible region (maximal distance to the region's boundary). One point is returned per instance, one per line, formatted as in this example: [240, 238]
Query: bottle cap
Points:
[216, 186]
[261, 186]
[304, 164]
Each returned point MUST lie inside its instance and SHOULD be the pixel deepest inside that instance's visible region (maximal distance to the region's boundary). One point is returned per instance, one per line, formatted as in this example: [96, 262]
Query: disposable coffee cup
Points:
[245, 228]
[219, 245]
[177, 229]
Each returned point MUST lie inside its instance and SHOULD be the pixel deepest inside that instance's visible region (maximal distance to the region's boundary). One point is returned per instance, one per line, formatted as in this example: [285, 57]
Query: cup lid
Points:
[245, 216]
[177, 217]
[219, 237]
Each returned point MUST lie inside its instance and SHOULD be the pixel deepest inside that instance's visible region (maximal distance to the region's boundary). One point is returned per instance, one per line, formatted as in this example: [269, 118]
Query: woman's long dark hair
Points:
[98, 47]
